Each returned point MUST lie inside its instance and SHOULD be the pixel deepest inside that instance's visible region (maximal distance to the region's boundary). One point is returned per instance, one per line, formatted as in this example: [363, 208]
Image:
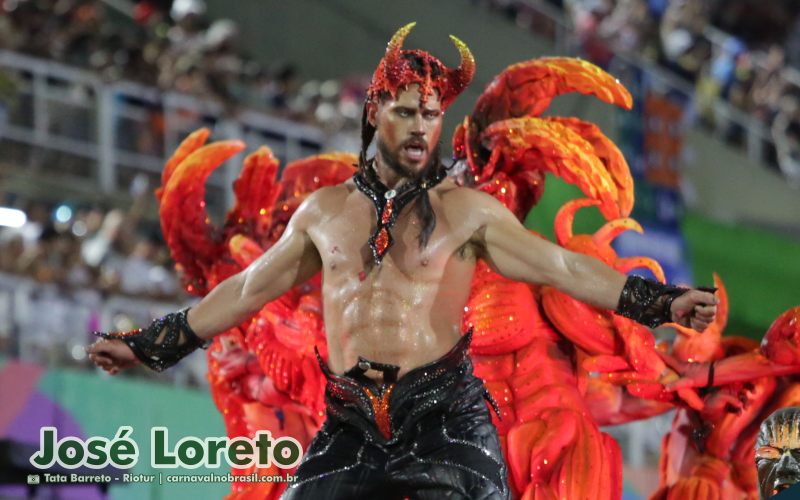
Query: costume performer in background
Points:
[709, 451]
[397, 243]
[778, 452]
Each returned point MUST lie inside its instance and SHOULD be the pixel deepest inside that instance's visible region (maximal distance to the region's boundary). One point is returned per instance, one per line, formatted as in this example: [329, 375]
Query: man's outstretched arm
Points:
[292, 260]
[516, 253]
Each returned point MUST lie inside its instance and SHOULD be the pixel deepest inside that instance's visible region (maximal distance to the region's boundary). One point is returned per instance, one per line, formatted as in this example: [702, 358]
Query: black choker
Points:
[388, 205]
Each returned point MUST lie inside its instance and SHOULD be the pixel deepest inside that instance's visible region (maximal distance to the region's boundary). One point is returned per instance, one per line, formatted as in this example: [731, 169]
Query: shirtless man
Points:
[405, 414]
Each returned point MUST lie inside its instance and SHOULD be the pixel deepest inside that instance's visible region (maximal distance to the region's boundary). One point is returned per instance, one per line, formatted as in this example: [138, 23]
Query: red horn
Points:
[460, 77]
[393, 51]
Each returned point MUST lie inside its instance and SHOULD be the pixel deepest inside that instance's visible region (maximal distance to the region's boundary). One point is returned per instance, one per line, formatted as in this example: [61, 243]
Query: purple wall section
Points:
[23, 412]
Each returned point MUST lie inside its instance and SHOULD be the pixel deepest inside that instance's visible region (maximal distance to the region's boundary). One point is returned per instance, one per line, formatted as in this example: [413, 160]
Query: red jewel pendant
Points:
[388, 208]
[382, 241]
[385, 206]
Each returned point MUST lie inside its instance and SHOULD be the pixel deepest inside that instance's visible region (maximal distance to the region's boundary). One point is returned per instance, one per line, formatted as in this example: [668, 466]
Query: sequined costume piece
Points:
[647, 301]
[396, 71]
[388, 205]
[163, 343]
[442, 442]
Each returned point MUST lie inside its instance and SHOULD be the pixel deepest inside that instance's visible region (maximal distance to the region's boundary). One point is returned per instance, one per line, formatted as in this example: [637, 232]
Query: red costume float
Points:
[557, 367]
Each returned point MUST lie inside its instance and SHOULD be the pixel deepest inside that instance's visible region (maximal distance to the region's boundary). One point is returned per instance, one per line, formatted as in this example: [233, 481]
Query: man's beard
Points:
[392, 160]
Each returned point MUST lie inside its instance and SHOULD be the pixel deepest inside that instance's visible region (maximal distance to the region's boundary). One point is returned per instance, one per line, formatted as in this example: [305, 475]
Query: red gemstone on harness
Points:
[387, 212]
[382, 241]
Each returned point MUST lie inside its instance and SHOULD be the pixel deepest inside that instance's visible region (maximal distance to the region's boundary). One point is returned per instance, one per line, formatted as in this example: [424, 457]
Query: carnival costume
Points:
[427, 435]
[537, 351]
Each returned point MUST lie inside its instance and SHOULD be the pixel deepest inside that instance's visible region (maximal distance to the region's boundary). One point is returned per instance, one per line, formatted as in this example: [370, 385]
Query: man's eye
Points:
[431, 115]
[404, 113]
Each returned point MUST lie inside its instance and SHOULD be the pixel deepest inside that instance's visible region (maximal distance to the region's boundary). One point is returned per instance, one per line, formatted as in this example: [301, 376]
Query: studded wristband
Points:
[647, 302]
[163, 343]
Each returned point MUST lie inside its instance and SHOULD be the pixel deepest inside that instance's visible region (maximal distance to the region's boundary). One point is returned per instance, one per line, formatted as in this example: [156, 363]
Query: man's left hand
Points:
[694, 309]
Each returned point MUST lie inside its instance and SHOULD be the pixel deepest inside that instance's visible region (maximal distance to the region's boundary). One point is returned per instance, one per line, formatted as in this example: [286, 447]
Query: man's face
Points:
[407, 131]
[778, 455]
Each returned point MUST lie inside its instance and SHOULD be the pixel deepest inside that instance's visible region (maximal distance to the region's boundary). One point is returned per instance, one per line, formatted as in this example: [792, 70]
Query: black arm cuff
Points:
[163, 343]
[647, 302]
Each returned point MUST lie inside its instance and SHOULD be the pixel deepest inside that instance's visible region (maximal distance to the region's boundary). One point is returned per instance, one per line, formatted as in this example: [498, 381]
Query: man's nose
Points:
[418, 126]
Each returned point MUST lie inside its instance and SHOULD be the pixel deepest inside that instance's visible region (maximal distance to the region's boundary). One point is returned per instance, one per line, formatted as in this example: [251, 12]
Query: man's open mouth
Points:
[415, 150]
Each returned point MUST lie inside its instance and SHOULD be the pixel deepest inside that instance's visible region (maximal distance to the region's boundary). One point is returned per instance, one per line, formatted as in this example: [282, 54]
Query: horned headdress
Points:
[400, 68]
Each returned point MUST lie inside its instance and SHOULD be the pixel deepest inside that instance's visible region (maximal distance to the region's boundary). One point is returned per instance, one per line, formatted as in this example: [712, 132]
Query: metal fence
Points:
[66, 123]
[50, 325]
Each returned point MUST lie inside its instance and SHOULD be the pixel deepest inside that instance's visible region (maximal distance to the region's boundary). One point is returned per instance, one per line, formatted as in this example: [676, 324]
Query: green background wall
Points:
[100, 404]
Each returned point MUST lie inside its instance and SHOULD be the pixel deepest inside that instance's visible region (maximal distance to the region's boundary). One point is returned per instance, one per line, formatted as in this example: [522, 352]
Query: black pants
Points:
[427, 435]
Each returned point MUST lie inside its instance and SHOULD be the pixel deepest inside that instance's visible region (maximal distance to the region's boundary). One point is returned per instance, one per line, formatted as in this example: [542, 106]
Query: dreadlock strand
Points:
[427, 217]
[367, 134]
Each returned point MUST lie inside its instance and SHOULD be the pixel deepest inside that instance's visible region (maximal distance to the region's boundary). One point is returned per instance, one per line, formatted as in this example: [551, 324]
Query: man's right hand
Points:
[112, 355]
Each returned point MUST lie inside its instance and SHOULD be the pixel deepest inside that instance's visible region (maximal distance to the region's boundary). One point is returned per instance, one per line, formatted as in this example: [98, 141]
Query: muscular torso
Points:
[408, 310]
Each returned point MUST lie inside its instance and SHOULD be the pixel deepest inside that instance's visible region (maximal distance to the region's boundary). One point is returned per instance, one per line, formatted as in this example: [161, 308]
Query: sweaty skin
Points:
[408, 310]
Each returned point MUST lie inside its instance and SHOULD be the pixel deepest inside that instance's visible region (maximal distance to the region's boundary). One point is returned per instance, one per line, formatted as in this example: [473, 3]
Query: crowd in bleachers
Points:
[745, 52]
[77, 247]
[80, 266]
[174, 46]
[75, 268]
[707, 43]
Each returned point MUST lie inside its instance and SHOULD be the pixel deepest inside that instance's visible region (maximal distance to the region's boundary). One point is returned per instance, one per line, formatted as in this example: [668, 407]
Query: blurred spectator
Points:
[97, 247]
[793, 44]
[786, 134]
[285, 85]
[588, 15]
[31, 231]
[12, 249]
[685, 49]
[222, 64]
[630, 27]
[768, 85]
[718, 77]
[186, 36]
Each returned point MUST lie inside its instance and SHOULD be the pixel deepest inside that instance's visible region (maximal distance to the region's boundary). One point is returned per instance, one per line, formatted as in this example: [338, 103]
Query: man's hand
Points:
[694, 309]
[112, 355]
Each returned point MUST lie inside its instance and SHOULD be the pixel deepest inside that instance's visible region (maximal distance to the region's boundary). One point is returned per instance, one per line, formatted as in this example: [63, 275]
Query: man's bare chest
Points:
[342, 240]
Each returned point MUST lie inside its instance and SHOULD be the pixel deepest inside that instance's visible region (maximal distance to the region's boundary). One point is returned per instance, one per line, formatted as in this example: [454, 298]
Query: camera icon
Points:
[33, 478]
